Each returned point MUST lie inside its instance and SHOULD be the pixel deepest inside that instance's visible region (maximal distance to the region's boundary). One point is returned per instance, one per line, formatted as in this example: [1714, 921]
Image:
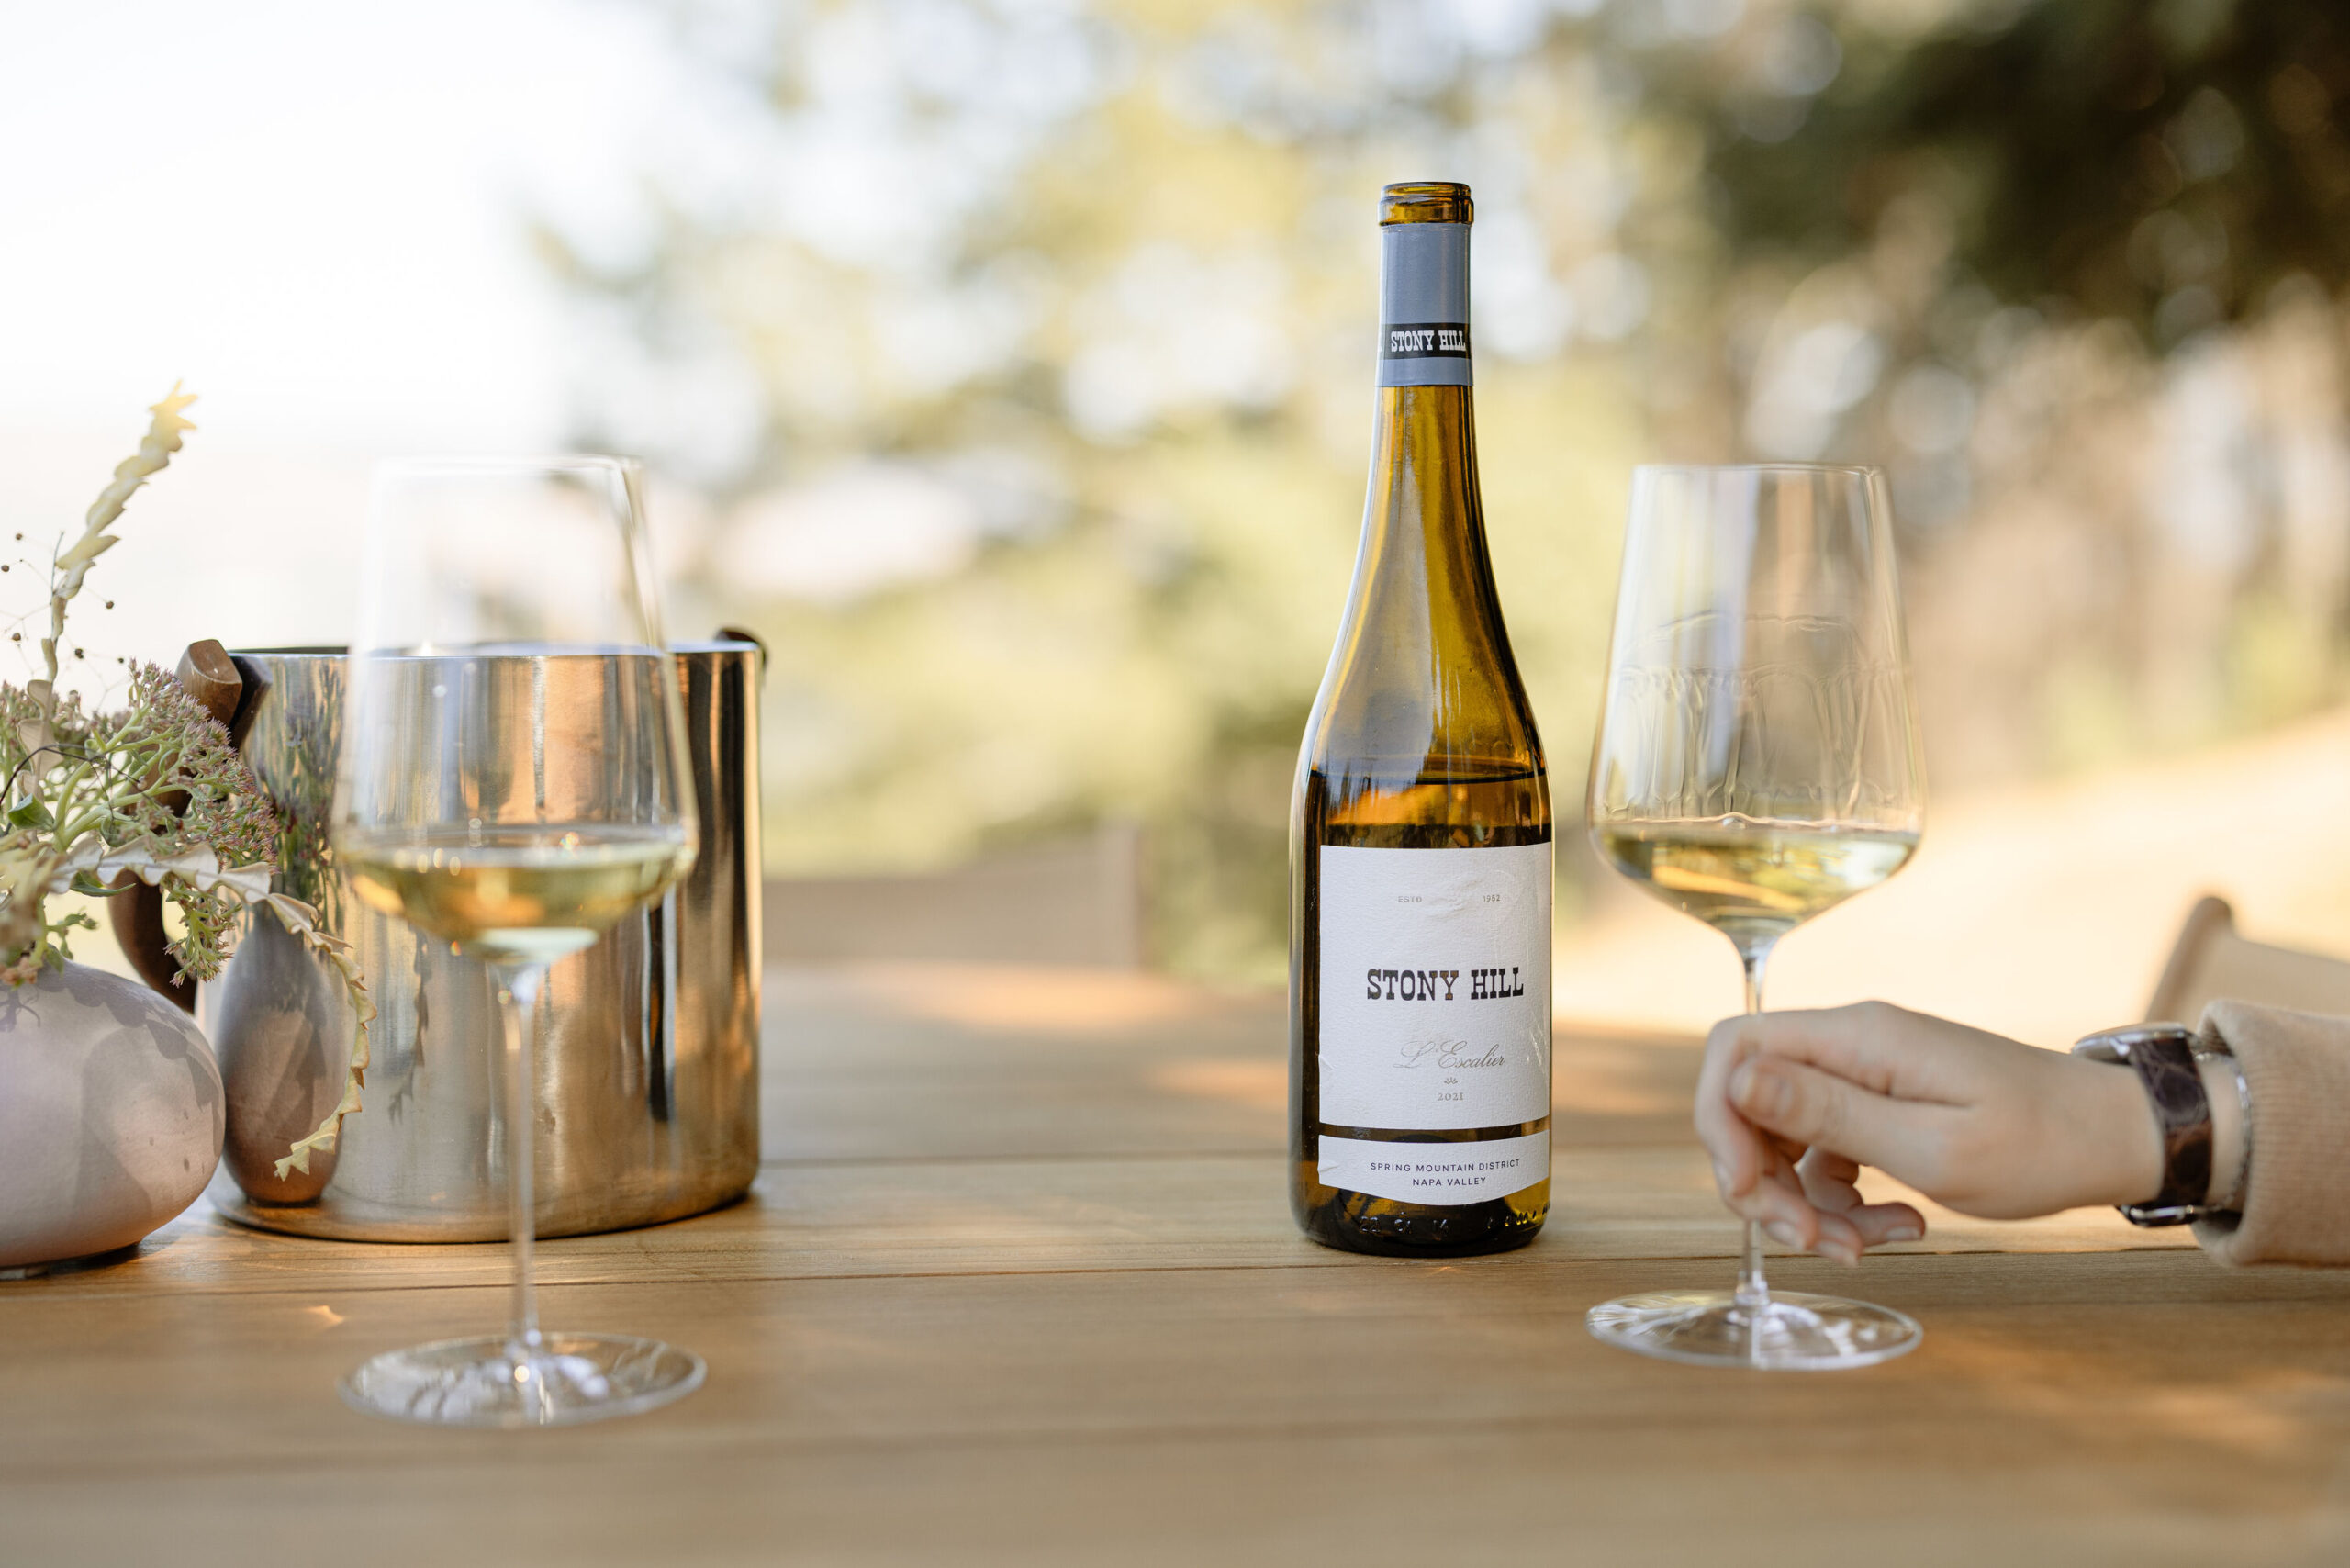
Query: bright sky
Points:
[316, 214]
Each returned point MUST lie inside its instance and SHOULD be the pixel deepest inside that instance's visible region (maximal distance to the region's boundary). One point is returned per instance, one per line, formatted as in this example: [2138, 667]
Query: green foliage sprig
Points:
[154, 790]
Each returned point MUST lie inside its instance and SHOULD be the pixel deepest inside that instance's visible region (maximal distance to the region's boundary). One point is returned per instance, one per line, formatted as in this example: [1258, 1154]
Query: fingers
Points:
[1829, 1184]
[1804, 1104]
[1814, 1206]
[1880, 1047]
[1775, 1201]
[1741, 1155]
[1878, 1224]
[1760, 1107]
[1777, 1204]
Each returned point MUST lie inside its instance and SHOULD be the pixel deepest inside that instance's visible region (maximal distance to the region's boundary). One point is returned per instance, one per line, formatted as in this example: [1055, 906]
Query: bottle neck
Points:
[1422, 684]
[1424, 530]
[1424, 305]
[1423, 568]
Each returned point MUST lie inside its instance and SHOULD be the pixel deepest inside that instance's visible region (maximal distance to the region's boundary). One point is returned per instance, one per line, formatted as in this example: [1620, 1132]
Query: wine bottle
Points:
[1420, 849]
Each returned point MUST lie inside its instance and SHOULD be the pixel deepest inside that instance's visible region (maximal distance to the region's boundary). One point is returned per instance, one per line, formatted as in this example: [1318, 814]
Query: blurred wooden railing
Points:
[1077, 901]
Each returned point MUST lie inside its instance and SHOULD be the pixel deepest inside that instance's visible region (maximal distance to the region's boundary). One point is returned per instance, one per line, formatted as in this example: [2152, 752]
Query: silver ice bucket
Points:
[647, 1098]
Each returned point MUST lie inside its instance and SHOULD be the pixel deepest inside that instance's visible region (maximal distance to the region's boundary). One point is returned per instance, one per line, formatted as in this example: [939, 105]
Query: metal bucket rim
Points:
[695, 646]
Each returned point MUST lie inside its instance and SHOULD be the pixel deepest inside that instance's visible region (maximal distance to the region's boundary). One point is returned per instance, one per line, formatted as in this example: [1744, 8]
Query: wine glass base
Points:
[1794, 1332]
[488, 1381]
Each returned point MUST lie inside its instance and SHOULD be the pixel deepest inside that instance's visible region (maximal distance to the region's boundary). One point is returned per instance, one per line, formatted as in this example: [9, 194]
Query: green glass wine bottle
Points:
[1420, 851]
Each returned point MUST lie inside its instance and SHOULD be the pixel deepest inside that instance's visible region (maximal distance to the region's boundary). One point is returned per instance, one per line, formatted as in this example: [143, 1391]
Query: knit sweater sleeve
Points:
[2296, 1190]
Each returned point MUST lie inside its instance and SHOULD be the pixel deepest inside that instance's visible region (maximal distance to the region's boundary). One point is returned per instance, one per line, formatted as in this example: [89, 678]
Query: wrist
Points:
[2119, 1134]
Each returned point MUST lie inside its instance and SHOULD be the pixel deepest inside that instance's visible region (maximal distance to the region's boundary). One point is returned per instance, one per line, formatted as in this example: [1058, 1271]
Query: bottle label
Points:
[1424, 306]
[1424, 339]
[1437, 1173]
[1436, 993]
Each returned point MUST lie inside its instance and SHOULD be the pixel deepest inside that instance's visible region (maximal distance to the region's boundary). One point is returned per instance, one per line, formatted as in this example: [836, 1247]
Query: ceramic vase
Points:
[110, 1114]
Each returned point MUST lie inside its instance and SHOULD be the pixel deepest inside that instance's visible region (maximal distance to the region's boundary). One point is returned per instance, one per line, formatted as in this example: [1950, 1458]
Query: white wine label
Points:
[1436, 1172]
[1435, 988]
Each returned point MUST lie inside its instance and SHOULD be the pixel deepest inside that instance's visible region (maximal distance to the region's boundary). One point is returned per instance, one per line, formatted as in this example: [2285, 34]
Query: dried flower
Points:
[156, 790]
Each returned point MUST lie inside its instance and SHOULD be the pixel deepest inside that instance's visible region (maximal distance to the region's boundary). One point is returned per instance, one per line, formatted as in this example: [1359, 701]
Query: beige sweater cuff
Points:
[2296, 1193]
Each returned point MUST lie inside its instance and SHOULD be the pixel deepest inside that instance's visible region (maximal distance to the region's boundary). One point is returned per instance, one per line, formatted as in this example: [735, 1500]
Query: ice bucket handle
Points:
[136, 912]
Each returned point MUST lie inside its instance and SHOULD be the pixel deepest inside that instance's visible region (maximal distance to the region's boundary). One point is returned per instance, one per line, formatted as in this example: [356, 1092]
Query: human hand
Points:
[1790, 1105]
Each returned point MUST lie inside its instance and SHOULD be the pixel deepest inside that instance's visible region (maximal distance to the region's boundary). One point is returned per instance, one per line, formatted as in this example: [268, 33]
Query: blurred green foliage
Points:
[2165, 163]
[1023, 352]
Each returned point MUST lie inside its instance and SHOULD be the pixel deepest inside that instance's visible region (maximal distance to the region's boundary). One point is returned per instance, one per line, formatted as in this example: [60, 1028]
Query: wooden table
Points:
[1019, 1285]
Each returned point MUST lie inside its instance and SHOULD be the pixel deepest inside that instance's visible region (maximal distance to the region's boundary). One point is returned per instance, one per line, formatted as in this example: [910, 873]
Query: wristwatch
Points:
[2164, 1055]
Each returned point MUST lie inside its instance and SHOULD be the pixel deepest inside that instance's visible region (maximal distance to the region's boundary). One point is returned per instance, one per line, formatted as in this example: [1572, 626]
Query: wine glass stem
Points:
[1753, 1290]
[518, 1003]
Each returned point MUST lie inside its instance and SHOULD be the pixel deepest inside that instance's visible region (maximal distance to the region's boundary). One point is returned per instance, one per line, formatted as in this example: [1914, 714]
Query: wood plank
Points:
[2082, 1341]
[942, 1060]
[1253, 1411]
[1013, 1216]
[1371, 1498]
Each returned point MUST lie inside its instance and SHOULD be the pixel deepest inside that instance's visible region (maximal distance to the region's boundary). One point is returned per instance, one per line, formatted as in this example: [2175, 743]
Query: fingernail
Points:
[1785, 1234]
[1721, 1177]
[1840, 1252]
[1741, 1082]
[1904, 1232]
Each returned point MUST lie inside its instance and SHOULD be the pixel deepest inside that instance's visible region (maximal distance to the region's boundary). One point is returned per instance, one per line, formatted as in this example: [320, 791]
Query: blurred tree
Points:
[1048, 335]
[1020, 348]
[2165, 163]
[2072, 271]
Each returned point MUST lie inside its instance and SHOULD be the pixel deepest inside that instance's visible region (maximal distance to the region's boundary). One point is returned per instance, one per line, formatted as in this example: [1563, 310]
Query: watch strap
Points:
[2163, 1055]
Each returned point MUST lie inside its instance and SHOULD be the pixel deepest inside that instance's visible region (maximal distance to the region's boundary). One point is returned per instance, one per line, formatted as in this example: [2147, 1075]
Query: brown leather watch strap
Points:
[2175, 1085]
[2163, 1055]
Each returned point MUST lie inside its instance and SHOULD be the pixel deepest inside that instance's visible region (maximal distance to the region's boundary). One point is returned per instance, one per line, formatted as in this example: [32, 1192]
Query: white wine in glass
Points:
[1754, 881]
[510, 894]
[488, 803]
[1756, 766]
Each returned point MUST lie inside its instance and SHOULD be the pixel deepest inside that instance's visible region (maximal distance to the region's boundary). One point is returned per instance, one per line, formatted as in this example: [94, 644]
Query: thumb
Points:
[1820, 1110]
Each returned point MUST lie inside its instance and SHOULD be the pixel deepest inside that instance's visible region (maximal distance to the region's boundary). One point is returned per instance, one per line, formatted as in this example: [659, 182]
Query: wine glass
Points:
[516, 828]
[1757, 763]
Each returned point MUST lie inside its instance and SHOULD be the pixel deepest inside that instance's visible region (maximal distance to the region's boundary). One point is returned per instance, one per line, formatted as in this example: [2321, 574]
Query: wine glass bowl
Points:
[513, 781]
[513, 819]
[1756, 765]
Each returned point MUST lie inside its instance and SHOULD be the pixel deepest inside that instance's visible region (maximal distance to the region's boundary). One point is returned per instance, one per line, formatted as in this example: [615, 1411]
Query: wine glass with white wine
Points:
[1757, 764]
[482, 800]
